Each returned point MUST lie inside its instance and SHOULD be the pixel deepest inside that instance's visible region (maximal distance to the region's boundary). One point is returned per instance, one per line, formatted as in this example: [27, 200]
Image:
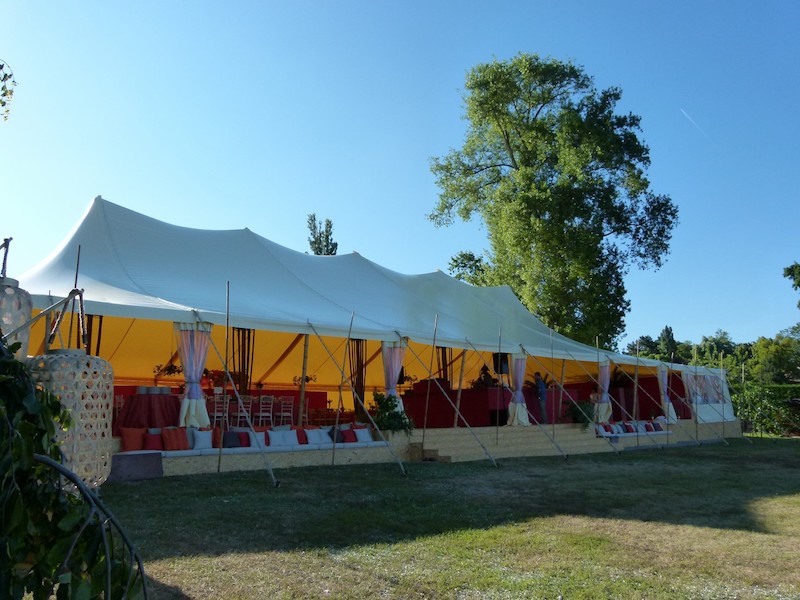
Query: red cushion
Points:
[133, 438]
[608, 428]
[649, 427]
[349, 436]
[244, 439]
[302, 438]
[152, 441]
[629, 428]
[174, 438]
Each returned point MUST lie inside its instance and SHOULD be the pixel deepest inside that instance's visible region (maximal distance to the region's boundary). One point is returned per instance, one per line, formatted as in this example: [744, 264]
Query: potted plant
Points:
[387, 417]
[582, 412]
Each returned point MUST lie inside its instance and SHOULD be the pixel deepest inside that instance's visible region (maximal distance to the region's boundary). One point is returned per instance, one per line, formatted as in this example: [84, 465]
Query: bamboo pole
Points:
[301, 409]
[430, 376]
[460, 387]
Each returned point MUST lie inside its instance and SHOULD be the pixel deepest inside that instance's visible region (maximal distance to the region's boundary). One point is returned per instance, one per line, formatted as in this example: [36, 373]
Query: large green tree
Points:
[558, 177]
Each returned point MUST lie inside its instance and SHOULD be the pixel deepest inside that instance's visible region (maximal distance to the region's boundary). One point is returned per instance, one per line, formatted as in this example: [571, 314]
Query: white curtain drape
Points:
[602, 410]
[663, 386]
[192, 339]
[393, 354]
[694, 387]
[517, 409]
[712, 386]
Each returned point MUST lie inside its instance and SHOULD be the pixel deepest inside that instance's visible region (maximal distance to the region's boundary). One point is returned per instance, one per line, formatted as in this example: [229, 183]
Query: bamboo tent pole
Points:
[430, 377]
[500, 399]
[460, 387]
[341, 384]
[541, 426]
[693, 437]
[301, 409]
[447, 397]
[613, 400]
[267, 465]
[356, 398]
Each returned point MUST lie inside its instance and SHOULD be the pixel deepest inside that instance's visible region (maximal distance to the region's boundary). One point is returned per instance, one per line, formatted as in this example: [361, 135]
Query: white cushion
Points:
[363, 435]
[202, 439]
[317, 436]
[283, 438]
[257, 439]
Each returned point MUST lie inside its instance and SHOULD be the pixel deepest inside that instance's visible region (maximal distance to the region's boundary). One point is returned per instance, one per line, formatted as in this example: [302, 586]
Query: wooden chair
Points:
[119, 402]
[217, 408]
[262, 410]
[241, 412]
[283, 413]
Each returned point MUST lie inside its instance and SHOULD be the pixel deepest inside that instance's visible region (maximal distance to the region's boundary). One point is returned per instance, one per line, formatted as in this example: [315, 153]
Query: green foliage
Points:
[558, 178]
[776, 360]
[768, 408]
[582, 412]
[321, 237]
[51, 544]
[465, 266]
[793, 272]
[7, 85]
[387, 417]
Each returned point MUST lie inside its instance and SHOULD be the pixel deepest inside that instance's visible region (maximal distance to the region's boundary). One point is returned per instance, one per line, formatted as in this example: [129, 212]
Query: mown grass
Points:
[709, 522]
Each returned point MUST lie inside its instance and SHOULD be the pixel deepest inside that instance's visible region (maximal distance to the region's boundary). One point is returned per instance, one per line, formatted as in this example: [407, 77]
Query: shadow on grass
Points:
[318, 508]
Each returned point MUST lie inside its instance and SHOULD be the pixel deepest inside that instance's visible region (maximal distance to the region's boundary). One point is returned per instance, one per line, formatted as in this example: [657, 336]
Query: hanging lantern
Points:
[85, 385]
[15, 311]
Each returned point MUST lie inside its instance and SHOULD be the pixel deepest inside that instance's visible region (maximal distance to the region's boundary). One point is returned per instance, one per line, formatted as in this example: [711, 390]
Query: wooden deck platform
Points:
[444, 445]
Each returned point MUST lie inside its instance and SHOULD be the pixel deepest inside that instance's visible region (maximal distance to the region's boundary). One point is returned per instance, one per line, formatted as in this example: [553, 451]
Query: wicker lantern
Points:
[15, 311]
[85, 385]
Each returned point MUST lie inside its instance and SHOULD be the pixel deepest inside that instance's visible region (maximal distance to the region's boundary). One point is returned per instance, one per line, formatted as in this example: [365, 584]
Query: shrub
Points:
[387, 417]
[53, 540]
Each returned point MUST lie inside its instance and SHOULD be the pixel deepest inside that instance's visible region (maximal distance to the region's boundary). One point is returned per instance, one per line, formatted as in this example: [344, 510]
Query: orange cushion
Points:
[175, 439]
[133, 438]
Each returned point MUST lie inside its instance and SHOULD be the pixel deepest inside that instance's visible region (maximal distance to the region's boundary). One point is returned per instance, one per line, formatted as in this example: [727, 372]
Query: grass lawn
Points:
[694, 522]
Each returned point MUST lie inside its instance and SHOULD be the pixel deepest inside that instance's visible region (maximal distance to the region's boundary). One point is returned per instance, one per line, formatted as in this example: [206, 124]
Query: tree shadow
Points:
[318, 507]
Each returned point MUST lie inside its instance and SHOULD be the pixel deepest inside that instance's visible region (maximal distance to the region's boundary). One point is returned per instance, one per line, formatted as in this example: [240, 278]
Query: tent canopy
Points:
[142, 274]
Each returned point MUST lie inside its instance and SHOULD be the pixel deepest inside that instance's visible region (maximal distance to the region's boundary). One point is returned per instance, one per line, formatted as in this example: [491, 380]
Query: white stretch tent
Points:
[144, 271]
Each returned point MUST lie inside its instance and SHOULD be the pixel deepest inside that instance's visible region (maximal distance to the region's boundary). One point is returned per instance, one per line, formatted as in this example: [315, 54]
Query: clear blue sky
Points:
[225, 115]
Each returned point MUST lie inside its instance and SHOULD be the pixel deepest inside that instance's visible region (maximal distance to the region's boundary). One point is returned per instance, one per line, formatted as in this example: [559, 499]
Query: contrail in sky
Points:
[691, 120]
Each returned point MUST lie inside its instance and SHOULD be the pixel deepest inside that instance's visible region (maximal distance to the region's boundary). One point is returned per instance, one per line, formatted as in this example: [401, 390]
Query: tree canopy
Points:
[793, 272]
[767, 361]
[321, 237]
[559, 180]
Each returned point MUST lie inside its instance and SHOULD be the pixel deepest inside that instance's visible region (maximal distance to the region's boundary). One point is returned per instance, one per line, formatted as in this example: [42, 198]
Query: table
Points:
[148, 410]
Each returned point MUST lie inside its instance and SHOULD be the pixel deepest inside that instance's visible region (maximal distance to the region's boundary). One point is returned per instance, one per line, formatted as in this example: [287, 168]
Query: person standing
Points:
[541, 392]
